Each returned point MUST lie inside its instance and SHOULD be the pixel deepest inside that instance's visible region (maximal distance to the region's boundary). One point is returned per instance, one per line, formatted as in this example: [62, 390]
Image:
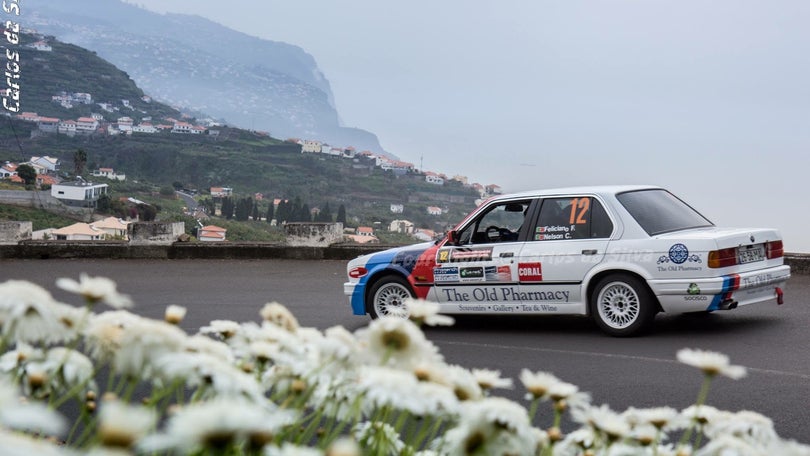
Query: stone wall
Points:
[14, 232]
[147, 233]
[313, 234]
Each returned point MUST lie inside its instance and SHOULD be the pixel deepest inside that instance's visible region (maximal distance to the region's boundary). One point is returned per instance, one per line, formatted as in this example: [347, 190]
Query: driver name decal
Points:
[457, 255]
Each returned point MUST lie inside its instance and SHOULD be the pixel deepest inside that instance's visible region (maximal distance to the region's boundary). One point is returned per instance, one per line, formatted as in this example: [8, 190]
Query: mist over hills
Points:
[191, 62]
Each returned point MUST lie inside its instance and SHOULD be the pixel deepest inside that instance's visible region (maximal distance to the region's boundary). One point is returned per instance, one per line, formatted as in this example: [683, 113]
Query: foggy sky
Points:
[709, 99]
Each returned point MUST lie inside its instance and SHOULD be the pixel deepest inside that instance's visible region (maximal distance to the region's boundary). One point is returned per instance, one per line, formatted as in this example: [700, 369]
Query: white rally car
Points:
[620, 254]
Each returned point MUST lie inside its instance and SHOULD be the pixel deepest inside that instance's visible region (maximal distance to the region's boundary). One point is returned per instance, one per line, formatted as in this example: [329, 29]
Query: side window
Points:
[571, 218]
[501, 222]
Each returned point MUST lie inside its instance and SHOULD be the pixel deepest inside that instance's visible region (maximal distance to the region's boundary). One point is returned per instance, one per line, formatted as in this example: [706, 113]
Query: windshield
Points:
[658, 211]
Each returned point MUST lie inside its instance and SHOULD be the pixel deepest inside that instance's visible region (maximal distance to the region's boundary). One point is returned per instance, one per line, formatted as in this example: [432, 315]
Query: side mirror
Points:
[452, 237]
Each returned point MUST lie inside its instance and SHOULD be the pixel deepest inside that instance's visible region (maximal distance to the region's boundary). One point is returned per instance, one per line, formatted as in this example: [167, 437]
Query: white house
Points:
[50, 164]
[67, 127]
[397, 208]
[48, 124]
[109, 173]
[144, 127]
[83, 194]
[401, 226]
[86, 125]
[77, 232]
[111, 227]
[434, 210]
[309, 146]
[211, 233]
[41, 46]
[433, 178]
[8, 170]
[219, 192]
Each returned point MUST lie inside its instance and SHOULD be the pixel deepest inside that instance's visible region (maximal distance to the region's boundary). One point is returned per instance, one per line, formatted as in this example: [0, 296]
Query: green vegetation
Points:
[38, 218]
[248, 162]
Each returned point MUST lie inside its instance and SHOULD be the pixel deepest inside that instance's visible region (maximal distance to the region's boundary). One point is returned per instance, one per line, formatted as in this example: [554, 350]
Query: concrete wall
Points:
[14, 232]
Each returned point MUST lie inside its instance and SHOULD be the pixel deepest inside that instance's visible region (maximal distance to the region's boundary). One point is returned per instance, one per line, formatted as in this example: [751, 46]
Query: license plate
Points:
[750, 255]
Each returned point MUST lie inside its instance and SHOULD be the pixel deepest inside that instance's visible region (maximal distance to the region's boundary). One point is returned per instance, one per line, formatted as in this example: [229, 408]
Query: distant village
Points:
[86, 194]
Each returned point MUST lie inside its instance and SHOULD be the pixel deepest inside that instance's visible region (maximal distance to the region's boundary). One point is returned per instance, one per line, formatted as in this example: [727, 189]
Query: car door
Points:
[567, 239]
[478, 273]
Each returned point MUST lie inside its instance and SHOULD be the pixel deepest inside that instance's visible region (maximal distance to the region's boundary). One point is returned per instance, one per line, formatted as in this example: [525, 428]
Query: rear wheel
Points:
[388, 297]
[622, 305]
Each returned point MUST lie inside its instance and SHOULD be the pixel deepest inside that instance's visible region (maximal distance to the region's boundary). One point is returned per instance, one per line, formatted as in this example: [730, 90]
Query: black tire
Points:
[622, 305]
[387, 297]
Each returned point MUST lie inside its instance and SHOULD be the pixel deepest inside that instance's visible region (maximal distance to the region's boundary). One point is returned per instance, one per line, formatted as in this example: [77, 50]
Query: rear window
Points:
[658, 211]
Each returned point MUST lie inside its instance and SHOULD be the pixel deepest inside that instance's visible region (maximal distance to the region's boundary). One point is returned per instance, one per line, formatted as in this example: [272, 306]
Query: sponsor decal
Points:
[498, 273]
[553, 232]
[486, 294]
[474, 274]
[679, 254]
[530, 272]
[693, 289]
[441, 275]
[455, 255]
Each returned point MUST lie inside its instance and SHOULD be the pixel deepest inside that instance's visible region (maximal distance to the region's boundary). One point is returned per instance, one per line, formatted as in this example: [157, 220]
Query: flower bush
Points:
[135, 385]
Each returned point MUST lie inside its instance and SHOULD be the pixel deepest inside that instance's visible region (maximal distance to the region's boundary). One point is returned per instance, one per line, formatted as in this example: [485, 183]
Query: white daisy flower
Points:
[13, 362]
[96, 289]
[382, 437]
[280, 316]
[16, 444]
[396, 342]
[490, 379]
[537, 384]
[121, 425]
[218, 424]
[604, 420]
[463, 382]
[142, 342]
[104, 331]
[663, 418]
[426, 312]
[174, 314]
[209, 373]
[489, 426]
[73, 368]
[728, 445]
[711, 363]
[702, 414]
[344, 447]
[29, 314]
[746, 425]
[204, 344]
[22, 416]
[224, 329]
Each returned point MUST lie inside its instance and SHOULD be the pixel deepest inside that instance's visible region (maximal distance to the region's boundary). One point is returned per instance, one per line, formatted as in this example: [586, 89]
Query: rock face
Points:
[14, 232]
[313, 234]
[195, 63]
[145, 233]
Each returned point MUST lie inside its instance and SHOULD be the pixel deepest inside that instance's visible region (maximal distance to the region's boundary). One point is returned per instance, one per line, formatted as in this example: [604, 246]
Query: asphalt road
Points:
[771, 340]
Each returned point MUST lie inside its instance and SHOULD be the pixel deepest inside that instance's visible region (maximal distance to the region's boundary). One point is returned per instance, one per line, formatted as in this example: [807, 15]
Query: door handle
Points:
[507, 254]
[589, 252]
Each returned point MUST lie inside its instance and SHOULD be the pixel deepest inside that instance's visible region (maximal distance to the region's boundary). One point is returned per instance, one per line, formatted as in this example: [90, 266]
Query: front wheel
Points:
[388, 297]
[622, 305]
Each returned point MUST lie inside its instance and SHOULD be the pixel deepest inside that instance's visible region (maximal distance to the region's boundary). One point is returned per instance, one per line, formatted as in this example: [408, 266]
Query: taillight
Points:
[358, 272]
[774, 249]
[722, 258]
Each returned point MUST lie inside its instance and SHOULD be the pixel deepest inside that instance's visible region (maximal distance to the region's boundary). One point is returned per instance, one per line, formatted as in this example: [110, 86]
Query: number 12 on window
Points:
[579, 210]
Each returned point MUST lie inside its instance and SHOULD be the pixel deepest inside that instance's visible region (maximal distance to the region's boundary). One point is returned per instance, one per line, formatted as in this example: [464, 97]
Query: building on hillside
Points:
[433, 178]
[211, 233]
[221, 192]
[86, 125]
[8, 170]
[424, 234]
[109, 173]
[82, 194]
[111, 227]
[401, 226]
[309, 146]
[434, 210]
[48, 124]
[363, 235]
[397, 208]
[50, 164]
[77, 232]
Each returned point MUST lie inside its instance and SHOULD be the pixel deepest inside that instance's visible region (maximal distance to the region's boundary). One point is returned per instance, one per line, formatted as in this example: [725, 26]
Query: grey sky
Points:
[708, 98]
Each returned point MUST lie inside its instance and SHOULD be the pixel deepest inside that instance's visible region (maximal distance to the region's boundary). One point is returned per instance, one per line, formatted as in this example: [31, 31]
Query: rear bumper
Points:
[717, 293]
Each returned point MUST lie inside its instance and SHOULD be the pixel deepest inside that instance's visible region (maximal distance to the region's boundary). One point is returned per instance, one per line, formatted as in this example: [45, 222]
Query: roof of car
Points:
[594, 189]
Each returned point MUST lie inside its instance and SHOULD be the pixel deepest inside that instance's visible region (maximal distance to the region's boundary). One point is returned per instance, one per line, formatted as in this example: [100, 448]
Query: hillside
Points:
[195, 63]
[249, 162]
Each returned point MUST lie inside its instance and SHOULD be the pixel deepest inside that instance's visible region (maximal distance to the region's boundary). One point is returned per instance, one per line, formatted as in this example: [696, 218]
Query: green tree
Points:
[269, 216]
[305, 215]
[79, 161]
[326, 214]
[27, 173]
[341, 215]
[255, 213]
